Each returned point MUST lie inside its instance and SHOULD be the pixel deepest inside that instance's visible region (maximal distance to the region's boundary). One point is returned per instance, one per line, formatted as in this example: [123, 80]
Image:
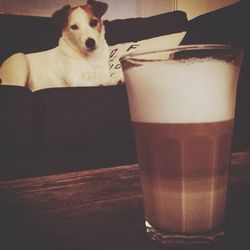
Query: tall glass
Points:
[182, 105]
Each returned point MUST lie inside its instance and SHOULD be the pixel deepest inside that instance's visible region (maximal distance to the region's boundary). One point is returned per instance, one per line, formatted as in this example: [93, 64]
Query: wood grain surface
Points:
[101, 209]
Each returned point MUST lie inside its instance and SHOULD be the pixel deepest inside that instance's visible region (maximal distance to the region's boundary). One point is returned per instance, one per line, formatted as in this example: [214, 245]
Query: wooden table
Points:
[101, 209]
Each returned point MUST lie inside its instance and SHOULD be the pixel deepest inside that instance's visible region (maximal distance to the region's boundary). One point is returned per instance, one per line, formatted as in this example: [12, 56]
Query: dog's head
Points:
[81, 26]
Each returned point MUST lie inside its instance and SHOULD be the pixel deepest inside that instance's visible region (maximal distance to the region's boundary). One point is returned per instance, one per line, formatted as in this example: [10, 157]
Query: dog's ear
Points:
[60, 17]
[99, 8]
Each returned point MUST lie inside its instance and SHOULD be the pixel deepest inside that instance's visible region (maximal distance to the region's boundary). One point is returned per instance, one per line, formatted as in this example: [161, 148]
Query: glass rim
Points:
[190, 47]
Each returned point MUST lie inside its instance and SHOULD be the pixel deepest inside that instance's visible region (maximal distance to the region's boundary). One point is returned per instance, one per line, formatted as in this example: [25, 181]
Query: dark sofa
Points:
[68, 129]
[229, 25]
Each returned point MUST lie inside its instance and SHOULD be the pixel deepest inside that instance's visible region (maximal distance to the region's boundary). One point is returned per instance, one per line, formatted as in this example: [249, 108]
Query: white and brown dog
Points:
[80, 59]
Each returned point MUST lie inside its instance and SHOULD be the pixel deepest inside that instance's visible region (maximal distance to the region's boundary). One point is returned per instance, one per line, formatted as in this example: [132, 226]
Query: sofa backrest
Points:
[26, 34]
[32, 34]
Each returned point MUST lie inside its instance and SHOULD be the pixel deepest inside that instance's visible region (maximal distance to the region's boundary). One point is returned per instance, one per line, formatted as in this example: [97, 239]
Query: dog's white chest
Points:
[86, 73]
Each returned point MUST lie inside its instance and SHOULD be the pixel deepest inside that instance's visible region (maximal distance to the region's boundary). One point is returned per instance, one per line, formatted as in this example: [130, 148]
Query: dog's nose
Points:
[90, 43]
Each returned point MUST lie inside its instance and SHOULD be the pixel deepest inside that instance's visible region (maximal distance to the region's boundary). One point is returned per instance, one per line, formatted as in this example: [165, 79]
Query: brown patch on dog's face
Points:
[98, 8]
[94, 22]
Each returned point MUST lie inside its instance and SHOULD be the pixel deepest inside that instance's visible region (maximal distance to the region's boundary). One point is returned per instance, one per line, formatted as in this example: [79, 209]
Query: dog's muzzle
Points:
[90, 44]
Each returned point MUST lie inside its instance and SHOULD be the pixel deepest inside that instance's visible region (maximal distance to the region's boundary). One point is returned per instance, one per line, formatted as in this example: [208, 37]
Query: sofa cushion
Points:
[18, 117]
[132, 34]
[155, 43]
[141, 28]
[84, 116]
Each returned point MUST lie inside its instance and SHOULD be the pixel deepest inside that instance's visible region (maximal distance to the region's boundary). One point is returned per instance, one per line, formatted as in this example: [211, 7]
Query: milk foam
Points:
[182, 92]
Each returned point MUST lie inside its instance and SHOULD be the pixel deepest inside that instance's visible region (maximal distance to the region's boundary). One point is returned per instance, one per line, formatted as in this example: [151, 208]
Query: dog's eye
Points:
[74, 27]
[93, 22]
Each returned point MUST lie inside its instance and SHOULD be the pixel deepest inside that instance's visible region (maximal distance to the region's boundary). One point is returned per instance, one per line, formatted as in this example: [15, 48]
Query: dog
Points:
[80, 59]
